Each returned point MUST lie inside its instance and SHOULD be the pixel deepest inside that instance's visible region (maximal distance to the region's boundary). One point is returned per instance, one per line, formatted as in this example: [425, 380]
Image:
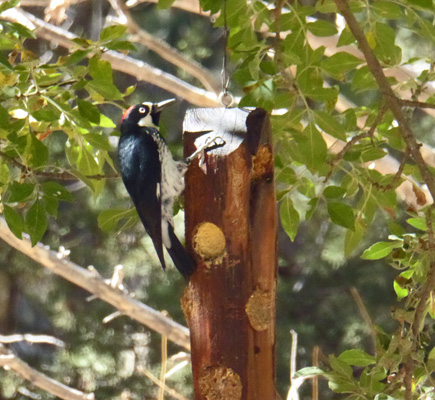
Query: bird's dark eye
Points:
[142, 110]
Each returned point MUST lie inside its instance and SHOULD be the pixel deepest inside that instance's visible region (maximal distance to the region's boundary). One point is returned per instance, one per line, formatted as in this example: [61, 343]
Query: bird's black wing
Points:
[139, 156]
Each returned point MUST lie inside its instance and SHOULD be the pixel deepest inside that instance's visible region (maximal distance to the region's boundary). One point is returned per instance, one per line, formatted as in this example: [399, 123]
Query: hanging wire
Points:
[225, 97]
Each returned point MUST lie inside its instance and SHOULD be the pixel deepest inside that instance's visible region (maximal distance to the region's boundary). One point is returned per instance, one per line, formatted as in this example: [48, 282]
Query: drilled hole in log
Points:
[187, 303]
[259, 309]
[262, 164]
[220, 383]
[209, 242]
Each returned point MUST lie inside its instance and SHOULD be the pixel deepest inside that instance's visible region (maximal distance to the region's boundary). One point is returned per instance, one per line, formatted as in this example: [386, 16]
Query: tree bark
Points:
[231, 226]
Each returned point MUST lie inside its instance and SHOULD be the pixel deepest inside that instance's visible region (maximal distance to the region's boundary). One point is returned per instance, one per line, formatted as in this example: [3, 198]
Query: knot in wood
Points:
[220, 383]
[209, 241]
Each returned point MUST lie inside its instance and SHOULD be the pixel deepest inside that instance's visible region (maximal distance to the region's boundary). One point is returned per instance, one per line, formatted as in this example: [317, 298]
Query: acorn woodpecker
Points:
[153, 179]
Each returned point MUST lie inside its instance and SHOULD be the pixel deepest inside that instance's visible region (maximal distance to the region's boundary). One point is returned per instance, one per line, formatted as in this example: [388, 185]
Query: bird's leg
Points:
[210, 144]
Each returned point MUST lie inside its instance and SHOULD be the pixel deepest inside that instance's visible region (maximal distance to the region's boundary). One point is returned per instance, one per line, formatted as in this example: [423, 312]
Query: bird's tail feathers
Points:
[181, 258]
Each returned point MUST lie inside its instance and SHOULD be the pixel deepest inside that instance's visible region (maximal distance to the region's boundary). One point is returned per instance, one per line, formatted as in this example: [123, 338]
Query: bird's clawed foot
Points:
[210, 144]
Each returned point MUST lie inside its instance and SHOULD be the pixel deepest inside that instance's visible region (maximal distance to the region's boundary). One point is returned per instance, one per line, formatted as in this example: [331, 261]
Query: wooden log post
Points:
[231, 227]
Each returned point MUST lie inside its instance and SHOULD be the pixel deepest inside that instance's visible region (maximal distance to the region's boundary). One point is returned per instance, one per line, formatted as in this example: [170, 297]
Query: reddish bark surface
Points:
[231, 227]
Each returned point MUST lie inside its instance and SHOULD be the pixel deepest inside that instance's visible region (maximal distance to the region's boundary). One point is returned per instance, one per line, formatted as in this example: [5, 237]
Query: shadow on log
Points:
[231, 226]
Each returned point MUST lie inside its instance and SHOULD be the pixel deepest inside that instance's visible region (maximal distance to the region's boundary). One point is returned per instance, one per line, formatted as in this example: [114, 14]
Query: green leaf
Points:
[37, 152]
[341, 367]
[165, 3]
[100, 70]
[401, 292]
[372, 153]
[363, 80]
[427, 30]
[89, 111]
[120, 45]
[98, 141]
[428, 4]
[48, 114]
[21, 30]
[385, 49]
[14, 221]
[112, 32]
[76, 57]
[4, 174]
[19, 192]
[287, 175]
[36, 222]
[106, 122]
[330, 125]
[108, 219]
[322, 28]
[289, 217]
[4, 116]
[340, 63]
[82, 42]
[56, 191]
[106, 89]
[380, 250]
[309, 371]
[341, 214]
[353, 239]
[346, 37]
[6, 5]
[387, 9]
[4, 61]
[86, 163]
[357, 357]
[418, 223]
[51, 206]
[334, 192]
[312, 207]
[48, 79]
[312, 147]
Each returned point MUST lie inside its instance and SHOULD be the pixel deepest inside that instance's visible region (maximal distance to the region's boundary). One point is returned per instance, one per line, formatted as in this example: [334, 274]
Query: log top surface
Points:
[208, 123]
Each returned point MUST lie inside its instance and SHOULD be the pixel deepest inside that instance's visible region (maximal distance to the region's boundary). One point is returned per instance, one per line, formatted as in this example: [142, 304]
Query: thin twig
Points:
[9, 361]
[315, 379]
[416, 104]
[365, 316]
[396, 176]
[156, 380]
[340, 155]
[64, 175]
[164, 364]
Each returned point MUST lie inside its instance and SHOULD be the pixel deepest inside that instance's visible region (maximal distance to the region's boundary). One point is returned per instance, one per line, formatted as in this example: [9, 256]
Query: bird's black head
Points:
[146, 114]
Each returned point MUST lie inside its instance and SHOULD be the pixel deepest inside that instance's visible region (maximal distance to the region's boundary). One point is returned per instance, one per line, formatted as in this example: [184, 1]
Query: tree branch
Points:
[163, 49]
[126, 64]
[9, 360]
[95, 284]
[391, 100]
[63, 176]
[416, 104]
[27, 337]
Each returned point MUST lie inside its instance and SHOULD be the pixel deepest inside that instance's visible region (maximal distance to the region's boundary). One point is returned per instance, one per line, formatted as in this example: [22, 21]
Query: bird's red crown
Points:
[126, 112]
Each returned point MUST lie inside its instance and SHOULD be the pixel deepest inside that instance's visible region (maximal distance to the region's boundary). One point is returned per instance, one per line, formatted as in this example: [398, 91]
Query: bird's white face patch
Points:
[147, 120]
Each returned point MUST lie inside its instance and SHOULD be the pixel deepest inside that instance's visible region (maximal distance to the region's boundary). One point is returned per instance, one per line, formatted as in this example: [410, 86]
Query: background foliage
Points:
[353, 198]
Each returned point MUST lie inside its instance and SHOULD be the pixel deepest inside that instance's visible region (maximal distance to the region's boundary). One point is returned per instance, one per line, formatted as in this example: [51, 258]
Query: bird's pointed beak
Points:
[158, 107]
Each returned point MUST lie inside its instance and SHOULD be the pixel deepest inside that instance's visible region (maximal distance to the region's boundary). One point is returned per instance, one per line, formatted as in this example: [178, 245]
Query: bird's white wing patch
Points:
[158, 190]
